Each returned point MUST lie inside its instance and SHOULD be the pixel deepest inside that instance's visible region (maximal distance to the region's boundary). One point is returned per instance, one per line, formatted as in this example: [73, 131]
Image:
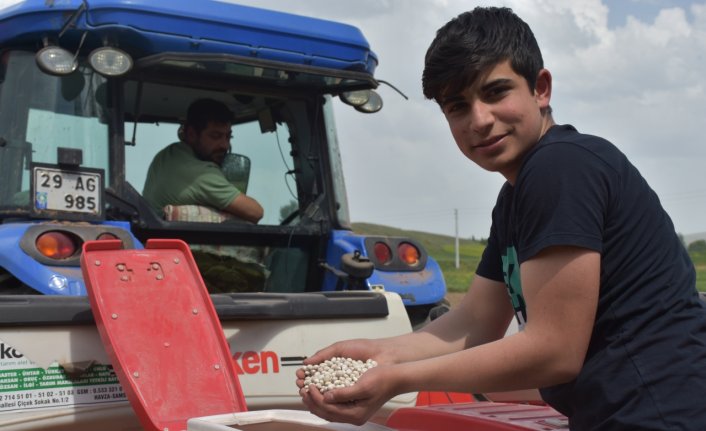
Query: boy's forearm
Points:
[418, 346]
[452, 332]
[487, 368]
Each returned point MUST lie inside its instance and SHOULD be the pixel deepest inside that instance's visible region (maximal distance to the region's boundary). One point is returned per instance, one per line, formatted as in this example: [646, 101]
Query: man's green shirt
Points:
[177, 177]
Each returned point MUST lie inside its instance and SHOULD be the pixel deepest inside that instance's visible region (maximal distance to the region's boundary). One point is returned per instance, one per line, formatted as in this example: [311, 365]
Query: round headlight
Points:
[110, 61]
[372, 105]
[408, 253]
[382, 253]
[56, 61]
[57, 245]
[355, 98]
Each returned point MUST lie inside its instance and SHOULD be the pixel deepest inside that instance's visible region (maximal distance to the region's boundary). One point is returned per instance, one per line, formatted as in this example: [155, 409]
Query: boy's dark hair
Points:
[202, 111]
[473, 42]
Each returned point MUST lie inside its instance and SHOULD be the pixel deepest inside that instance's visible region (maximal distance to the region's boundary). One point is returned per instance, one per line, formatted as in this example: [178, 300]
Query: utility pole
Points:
[458, 263]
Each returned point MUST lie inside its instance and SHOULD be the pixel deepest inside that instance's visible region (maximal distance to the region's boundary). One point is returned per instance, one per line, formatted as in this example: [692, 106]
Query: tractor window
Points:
[270, 180]
[339, 185]
[228, 267]
[39, 114]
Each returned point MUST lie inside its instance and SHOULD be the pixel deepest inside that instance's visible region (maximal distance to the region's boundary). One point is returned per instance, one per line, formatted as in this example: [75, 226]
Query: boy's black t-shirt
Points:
[646, 362]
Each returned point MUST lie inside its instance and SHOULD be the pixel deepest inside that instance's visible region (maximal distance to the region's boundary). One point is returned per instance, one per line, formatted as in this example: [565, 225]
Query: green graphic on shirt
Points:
[511, 272]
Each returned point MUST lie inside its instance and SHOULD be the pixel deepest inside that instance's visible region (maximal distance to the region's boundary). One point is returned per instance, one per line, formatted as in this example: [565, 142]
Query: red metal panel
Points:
[161, 332]
[478, 416]
[431, 398]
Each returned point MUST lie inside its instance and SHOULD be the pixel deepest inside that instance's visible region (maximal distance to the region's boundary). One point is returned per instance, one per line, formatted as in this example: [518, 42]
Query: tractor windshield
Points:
[42, 116]
[262, 163]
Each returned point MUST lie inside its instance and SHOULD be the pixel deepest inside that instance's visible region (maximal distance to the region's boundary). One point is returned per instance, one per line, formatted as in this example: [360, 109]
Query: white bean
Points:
[336, 372]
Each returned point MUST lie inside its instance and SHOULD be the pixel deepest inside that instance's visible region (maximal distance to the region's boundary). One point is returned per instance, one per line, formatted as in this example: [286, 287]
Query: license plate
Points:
[67, 191]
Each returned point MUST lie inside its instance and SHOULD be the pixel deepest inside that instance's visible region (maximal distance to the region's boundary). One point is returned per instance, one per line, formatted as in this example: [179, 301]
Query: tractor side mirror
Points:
[236, 168]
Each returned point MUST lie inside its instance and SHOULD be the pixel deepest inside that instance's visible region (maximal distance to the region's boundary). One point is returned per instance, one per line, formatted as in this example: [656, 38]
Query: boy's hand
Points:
[361, 349]
[354, 404]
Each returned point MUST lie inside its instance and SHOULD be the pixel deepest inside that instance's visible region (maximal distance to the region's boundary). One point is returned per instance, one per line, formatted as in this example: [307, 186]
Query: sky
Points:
[631, 71]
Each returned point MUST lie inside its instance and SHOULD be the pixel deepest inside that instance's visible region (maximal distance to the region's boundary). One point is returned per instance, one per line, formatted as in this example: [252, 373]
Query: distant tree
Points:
[288, 209]
[697, 246]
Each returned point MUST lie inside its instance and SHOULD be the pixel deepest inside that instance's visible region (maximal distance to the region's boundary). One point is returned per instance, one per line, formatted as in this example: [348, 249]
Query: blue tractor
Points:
[90, 90]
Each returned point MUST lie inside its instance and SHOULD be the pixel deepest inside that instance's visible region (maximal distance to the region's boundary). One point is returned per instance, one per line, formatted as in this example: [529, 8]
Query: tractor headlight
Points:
[56, 61]
[109, 61]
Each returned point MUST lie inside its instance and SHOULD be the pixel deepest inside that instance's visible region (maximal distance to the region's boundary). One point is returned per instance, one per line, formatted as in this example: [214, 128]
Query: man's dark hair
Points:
[473, 42]
[202, 111]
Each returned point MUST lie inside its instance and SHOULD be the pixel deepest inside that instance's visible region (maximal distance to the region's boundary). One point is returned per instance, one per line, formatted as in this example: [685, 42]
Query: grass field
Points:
[699, 260]
[442, 249]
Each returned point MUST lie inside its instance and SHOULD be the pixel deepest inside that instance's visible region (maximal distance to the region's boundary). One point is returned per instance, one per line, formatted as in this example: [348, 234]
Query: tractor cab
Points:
[91, 91]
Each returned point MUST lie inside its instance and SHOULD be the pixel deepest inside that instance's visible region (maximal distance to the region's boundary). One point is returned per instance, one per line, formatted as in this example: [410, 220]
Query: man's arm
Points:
[246, 208]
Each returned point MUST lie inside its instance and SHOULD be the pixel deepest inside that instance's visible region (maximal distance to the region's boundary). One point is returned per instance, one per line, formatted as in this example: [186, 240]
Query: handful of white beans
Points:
[335, 373]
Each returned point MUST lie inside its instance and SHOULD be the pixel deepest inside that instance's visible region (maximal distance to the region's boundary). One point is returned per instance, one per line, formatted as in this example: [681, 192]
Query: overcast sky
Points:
[632, 71]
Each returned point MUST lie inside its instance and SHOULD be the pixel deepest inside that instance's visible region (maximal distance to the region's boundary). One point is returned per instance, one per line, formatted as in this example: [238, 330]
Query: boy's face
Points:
[213, 143]
[497, 120]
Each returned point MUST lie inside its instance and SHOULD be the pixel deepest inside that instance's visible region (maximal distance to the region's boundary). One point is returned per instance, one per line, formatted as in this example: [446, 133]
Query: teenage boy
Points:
[611, 326]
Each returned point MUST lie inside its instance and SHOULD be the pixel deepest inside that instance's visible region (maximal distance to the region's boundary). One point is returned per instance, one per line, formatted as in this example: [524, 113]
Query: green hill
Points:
[442, 249]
